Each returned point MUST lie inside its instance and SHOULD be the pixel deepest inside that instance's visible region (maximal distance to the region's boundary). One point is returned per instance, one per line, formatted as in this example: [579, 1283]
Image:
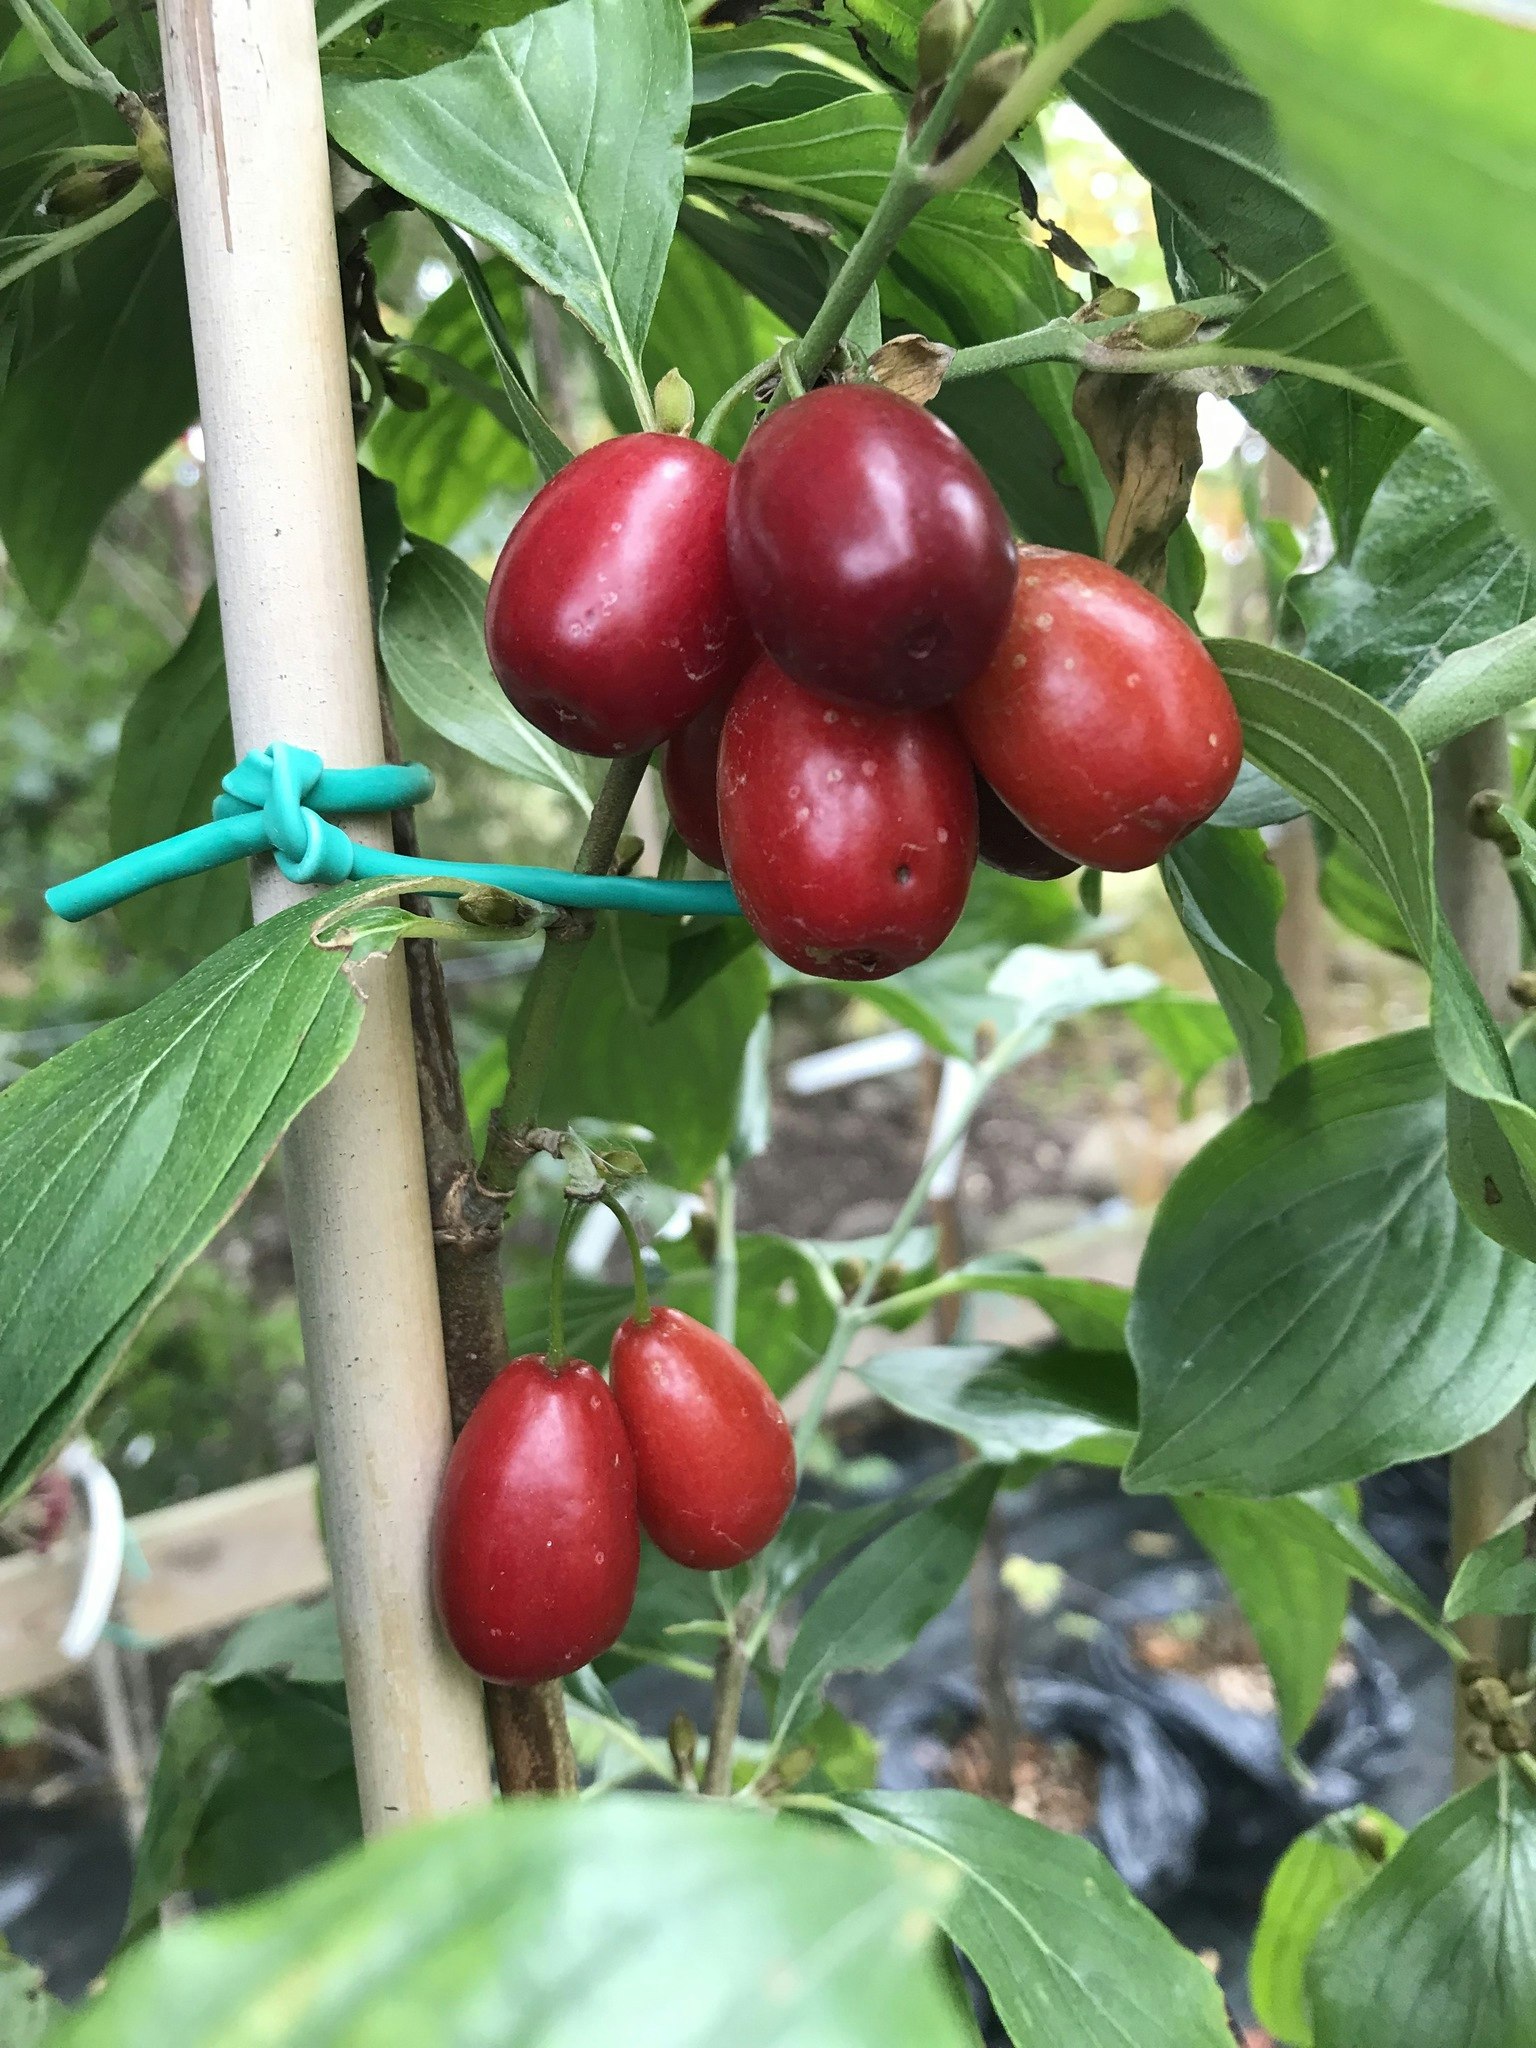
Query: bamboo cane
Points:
[254, 197]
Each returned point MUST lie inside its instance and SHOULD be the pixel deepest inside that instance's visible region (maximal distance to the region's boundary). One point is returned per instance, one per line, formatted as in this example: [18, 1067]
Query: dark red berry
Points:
[536, 1544]
[1006, 842]
[1101, 720]
[871, 553]
[612, 619]
[688, 769]
[850, 835]
[714, 1459]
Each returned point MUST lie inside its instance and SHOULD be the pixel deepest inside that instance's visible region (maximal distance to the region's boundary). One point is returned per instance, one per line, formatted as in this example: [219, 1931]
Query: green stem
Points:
[912, 1301]
[65, 52]
[723, 406]
[573, 1213]
[632, 1240]
[727, 1257]
[1062, 341]
[544, 444]
[537, 1024]
[1025, 97]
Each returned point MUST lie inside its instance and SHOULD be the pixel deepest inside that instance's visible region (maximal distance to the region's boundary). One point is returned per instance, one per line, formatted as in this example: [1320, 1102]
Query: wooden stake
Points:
[254, 196]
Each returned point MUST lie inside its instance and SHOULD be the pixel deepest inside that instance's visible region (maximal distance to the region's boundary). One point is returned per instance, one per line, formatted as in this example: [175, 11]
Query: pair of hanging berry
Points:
[862, 683]
[536, 1544]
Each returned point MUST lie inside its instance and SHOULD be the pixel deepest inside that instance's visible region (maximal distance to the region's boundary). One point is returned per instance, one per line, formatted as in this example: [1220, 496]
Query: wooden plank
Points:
[212, 1561]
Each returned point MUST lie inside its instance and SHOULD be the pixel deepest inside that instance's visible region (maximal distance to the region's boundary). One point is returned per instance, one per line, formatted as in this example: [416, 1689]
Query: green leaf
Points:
[1434, 571]
[1312, 1304]
[1348, 886]
[674, 1071]
[1066, 1953]
[1325, 1520]
[1191, 1033]
[1407, 118]
[558, 142]
[786, 1308]
[1031, 990]
[1056, 1403]
[398, 38]
[880, 1604]
[69, 444]
[1351, 762]
[1228, 897]
[121, 1155]
[447, 461]
[1170, 99]
[570, 1923]
[175, 750]
[432, 639]
[1320, 1870]
[26, 2009]
[254, 1782]
[1441, 1944]
[1294, 1596]
[1498, 1577]
[1478, 683]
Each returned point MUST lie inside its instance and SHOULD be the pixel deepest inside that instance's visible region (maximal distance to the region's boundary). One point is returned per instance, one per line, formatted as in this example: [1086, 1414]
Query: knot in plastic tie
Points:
[275, 781]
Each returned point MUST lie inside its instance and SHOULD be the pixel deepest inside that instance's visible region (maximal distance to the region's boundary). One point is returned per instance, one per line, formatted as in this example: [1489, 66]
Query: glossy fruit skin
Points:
[688, 771]
[872, 555]
[850, 836]
[612, 618]
[536, 1542]
[1006, 843]
[714, 1459]
[1101, 720]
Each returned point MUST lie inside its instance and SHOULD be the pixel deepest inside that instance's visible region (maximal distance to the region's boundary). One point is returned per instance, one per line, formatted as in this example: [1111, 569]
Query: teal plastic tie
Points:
[282, 800]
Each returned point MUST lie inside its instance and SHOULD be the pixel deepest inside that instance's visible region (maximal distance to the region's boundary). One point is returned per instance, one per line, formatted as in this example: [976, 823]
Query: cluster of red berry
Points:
[861, 682]
[536, 1546]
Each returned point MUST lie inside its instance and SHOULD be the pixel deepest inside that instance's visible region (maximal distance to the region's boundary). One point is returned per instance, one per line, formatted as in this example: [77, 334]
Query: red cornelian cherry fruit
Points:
[688, 769]
[1006, 843]
[612, 619]
[536, 1542]
[714, 1459]
[850, 836]
[1101, 721]
[871, 553]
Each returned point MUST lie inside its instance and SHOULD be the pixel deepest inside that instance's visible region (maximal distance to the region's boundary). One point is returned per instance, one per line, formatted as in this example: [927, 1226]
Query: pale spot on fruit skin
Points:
[794, 790]
[867, 766]
[1211, 740]
[1069, 662]
[1132, 679]
[1044, 621]
[801, 815]
[1031, 582]
[829, 718]
[943, 835]
[1020, 661]
[834, 775]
